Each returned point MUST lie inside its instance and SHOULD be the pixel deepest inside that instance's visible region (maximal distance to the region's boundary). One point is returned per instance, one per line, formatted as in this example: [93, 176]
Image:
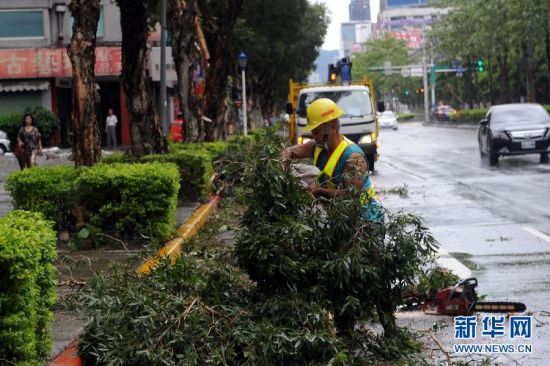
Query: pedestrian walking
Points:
[29, 143]
[110, 124]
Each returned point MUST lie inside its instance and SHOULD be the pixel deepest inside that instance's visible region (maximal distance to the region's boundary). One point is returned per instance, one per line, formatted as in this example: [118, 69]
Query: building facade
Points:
[35, 69]
[359, 10]
[353, 36]
[407, 20]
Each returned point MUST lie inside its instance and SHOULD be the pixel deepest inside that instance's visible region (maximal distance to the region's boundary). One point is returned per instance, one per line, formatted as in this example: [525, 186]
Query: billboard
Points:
[413, 38]
[398, 3]
[54, 62]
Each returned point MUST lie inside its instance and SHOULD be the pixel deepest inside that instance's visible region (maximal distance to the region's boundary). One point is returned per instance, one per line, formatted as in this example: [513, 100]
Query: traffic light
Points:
[332, 73]
[407, 92]
[419, 90]
[480, 65]
[344, 68]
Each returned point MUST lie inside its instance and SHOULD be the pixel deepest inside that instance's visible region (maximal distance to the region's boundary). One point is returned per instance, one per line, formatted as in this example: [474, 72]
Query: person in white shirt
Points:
[110, 124]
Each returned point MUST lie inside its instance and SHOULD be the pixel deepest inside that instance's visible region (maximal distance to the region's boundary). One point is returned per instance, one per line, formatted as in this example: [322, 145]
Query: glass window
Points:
[21, 24]
[355, 103]
[519, 114]
[100, 25]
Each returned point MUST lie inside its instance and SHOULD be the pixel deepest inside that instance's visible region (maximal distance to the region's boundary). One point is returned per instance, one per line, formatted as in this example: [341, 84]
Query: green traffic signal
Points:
[480, 65]
[407, 92]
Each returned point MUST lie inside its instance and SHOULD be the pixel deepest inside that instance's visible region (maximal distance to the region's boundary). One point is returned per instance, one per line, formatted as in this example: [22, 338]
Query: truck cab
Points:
[359, 122]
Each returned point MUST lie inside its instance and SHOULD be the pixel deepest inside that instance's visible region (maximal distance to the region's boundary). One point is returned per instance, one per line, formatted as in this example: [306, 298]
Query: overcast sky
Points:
[339, 12]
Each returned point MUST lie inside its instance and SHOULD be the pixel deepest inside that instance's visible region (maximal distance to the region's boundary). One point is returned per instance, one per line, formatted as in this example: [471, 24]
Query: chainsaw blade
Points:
[498, 307]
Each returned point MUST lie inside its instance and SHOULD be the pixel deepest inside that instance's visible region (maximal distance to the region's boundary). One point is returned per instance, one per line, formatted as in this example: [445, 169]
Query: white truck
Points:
[359, 123]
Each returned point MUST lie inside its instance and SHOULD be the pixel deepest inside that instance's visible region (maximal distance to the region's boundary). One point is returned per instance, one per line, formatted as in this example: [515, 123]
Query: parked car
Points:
[513, 129]
[4, 143]
[388, 119]
[444, 113]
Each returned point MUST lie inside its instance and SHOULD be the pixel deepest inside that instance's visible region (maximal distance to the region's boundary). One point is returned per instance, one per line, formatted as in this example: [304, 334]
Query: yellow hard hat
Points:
[321, 111]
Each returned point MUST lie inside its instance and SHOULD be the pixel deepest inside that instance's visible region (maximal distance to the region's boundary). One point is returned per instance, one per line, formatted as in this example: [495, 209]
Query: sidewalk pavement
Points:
[67, 325]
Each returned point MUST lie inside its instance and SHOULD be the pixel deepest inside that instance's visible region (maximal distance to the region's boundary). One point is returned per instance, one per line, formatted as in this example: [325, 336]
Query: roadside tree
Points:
[81, 51]
[145, 129]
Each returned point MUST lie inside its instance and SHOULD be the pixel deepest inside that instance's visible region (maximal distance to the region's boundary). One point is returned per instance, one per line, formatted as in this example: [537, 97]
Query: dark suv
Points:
[514, 129]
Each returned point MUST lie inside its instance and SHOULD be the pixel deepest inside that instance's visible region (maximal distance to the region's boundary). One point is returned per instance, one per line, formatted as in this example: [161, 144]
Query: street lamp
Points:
[243, 58]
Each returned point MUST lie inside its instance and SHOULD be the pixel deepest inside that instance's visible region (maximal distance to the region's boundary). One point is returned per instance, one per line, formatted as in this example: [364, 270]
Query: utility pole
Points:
[163, 102]
[425, 81]
[433, 77]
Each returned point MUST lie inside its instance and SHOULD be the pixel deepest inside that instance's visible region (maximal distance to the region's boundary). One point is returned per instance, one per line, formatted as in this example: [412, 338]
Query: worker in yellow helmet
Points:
[342, 162]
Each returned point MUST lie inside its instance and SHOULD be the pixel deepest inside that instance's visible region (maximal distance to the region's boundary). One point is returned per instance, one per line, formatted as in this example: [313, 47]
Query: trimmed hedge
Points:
[46, 121]
[120, 198]
[195, 169]
[131, 198]
[27, 289]
[406, 116]
[470, 115]
[49, 190]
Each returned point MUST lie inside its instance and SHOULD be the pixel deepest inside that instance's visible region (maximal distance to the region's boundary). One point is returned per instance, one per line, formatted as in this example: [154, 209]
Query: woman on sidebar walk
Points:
[29, 143]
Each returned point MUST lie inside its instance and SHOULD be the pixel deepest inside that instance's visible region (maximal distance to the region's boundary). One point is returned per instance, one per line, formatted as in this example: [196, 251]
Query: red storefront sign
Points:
[413, 38]
[54, 62]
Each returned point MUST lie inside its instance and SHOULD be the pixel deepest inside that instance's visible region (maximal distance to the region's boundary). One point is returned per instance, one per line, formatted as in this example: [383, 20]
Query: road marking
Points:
[537, 233]
[414, 177]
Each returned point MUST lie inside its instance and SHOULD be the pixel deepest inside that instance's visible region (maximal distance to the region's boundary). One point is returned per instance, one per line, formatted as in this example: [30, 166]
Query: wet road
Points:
[494, 220]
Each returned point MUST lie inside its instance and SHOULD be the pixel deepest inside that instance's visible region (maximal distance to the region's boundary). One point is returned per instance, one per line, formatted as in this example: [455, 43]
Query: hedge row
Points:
[470, 115]
[46, 121]
[120, 198]
[476, 115]
[195, 162]
[406, 116]
[27, 288]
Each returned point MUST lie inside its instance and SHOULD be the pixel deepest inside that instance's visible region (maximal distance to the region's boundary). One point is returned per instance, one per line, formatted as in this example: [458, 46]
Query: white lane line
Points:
[444, 259]
[537, 233]
[414, 177]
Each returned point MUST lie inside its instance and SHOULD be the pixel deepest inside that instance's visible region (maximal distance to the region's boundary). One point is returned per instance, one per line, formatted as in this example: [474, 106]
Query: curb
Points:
[461, 126]
[69, 357]
[189, 228]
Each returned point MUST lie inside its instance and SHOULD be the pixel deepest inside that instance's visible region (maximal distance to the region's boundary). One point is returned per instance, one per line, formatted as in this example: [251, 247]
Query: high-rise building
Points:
[400, 3]
[353, 36]
[359, 10]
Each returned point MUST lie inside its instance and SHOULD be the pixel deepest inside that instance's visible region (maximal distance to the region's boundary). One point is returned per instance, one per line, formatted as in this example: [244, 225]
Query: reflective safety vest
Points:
[368, 195]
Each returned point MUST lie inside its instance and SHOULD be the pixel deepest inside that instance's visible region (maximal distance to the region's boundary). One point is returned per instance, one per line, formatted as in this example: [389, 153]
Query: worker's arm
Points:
[355, 171]
[299, 151]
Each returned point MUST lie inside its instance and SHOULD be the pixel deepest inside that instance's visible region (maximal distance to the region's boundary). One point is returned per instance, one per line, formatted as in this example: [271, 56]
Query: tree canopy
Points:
[282, 40]
[512, 37]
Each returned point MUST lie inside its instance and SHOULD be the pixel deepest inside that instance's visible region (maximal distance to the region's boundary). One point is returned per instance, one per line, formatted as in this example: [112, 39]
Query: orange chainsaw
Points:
[462, 300]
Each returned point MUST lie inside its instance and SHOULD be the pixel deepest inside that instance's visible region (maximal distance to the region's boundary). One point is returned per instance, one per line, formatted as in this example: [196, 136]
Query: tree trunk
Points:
[81, 51]
[491, 88]
[469, 85]
[504, 79]
[145, 128]
[547, 49]
[529, 73]
[218, 34]
[182, 19]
